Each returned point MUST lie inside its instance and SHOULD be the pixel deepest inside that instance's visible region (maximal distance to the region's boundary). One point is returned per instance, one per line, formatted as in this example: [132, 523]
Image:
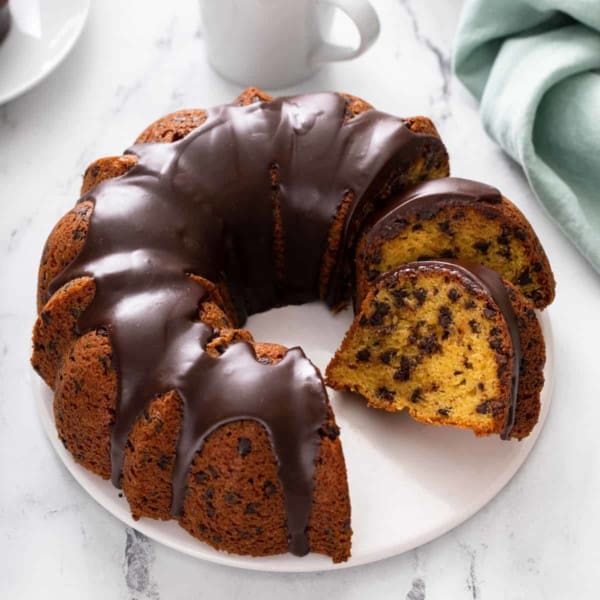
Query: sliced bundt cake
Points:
[212, 216]
[454, 344]
[455, 218]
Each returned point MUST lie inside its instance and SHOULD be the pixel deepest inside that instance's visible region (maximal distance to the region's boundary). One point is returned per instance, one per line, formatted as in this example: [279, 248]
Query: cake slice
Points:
[454, 344]
[460, 219]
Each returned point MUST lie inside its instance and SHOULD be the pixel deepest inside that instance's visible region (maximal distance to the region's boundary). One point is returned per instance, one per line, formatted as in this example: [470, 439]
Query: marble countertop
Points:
[135, 61]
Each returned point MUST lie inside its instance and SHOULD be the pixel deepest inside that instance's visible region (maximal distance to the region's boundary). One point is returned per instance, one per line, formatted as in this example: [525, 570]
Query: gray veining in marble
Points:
[538, 539]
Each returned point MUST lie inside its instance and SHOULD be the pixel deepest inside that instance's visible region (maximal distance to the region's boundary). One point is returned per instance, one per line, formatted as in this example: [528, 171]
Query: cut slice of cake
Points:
[452, 343]
[459, 219]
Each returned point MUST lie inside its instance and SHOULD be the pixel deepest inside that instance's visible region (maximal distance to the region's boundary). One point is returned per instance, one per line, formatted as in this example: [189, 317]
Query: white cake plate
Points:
[409, 483]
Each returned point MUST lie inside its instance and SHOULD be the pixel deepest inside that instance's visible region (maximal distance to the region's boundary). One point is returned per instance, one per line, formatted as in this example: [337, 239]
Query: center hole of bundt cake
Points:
[311, 326]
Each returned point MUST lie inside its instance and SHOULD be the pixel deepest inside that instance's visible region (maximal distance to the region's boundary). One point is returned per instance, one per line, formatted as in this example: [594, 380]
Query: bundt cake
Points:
[452, 343]
[214, 215]
[4, 19]
[459, 219]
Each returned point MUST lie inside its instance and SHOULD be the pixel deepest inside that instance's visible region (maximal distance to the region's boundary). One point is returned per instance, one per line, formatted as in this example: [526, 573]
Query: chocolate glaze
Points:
[4, 19]
[204, 205]
[491, 281]
[426, 197]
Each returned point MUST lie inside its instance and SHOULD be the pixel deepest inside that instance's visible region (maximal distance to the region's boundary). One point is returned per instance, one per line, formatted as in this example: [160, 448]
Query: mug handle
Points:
[365, 19]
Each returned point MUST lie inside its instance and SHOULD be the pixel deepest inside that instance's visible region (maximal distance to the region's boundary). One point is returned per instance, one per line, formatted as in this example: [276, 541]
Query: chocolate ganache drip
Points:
[204, 206]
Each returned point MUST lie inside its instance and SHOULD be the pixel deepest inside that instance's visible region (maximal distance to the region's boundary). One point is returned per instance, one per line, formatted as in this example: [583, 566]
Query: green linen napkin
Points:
[535, 67]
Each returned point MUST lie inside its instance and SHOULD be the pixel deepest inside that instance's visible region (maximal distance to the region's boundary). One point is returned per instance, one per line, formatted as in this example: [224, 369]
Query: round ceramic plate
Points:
[409, 483]
[41, 35]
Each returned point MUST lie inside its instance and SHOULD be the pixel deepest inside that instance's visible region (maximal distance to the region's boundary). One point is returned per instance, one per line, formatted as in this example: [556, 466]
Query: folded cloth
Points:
[535, 67]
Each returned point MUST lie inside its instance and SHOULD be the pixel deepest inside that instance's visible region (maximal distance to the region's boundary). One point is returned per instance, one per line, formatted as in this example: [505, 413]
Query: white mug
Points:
[275, 43]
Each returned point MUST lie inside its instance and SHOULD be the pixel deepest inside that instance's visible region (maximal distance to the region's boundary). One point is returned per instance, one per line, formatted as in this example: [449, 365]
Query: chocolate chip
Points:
[209, 493]
[330, 431]
[217, 539]
[481, 386]
[444, 227]
[467, 363]
[269, 489]
[46, 317]
[363, 355]
[420, 294]
[244, 446]
[445, 412]
[251, 508]
[474, 326]
[520, 234]
[470, 304]
[346, 527]
[232, 498]
[201, 477]
[387, 356]
[496, 344]
[524, 278]
[163, 462]
[483, 408]
[403, 373]
[453, 294]
[429, 345]
[213, 472]
[416, 396]
[399, 297]
[210, 509]
[445, 317]
[381, 310]
[503, 239]
[447, 253]
[536, 296]
[384, 393]
[482, 246]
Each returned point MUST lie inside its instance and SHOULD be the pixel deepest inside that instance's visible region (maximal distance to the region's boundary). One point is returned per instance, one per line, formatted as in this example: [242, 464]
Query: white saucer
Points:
[409, 483]
[42, 33]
